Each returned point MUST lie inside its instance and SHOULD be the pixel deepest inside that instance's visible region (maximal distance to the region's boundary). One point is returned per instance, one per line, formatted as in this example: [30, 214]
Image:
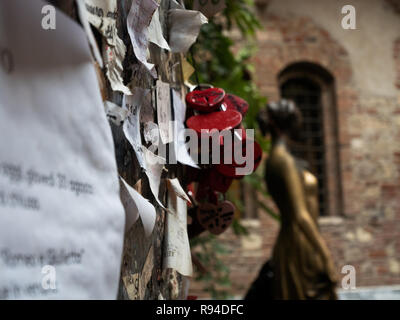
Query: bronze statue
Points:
[301, 266]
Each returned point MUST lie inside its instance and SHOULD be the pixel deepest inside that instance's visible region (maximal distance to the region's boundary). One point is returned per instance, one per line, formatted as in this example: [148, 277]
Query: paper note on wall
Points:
[181, 152]
[164, 112]
[136, 205]
[155, 32]
[102, 14]
[131, 126]
[177, 249]
[61, 219]
[154, 168]
[184, 27]
[138, 21]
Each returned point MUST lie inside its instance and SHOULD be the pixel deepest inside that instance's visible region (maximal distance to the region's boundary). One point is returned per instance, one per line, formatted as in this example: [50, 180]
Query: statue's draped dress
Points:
[299, 269]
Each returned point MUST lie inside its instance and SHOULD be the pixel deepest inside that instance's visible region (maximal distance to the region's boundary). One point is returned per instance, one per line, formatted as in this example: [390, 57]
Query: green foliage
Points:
[209, 252]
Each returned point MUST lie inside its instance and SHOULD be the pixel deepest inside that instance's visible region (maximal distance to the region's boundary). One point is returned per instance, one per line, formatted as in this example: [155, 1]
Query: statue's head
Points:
[281, 117]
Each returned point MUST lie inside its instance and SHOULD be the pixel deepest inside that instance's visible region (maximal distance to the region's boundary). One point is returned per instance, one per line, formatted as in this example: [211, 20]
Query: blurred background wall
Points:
[347, 85]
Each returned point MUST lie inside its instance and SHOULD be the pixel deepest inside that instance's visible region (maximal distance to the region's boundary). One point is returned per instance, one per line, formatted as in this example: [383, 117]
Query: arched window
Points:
[312, 88]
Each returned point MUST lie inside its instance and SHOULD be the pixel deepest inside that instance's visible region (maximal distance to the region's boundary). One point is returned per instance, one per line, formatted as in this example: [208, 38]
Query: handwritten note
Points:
[61, 219]
[138, 21]
[164, 112]
[102, 14]
[131, 126]
[177, 254]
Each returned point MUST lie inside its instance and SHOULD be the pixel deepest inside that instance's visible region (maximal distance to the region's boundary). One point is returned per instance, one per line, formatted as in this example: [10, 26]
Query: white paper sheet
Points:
[102, 15]
[181, 153]
[184, 27]
[175, 185]
[177, 249]
[131, 125]
[59, 189]
[113, 57]
[154, 168]
[156, 33]
[138, 21]
[164, 112]
[136, 205]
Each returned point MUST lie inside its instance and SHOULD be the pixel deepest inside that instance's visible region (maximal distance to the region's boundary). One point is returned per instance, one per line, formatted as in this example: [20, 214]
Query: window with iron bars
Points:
[309, 147]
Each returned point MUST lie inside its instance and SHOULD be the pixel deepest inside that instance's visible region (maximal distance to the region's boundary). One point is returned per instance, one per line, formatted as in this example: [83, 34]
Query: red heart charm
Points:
[206, 100]
[229, 170]
[220, 120]
[212, 180]
[216, 218]
[232, 102]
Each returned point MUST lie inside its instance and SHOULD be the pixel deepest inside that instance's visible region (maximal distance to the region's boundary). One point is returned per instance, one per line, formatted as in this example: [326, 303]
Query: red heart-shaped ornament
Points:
[216, 218]
[220, 120]
[229, 169]
[206, 100]
[232, 102]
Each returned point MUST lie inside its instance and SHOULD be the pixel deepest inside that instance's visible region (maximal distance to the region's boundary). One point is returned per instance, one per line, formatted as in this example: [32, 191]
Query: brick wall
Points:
[365, 230]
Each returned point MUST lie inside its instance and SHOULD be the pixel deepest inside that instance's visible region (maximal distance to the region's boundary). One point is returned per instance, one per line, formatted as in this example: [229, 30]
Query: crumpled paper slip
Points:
[131, 126]
[154, 167]
[138, 22]
[155, 32]
[136, 205]
[164, 116]
[175, 185]
[83, 17]
[184, 28]
[102, 15]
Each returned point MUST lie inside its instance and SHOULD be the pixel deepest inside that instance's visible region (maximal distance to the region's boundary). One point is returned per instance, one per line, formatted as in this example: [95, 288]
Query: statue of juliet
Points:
[301, 266]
